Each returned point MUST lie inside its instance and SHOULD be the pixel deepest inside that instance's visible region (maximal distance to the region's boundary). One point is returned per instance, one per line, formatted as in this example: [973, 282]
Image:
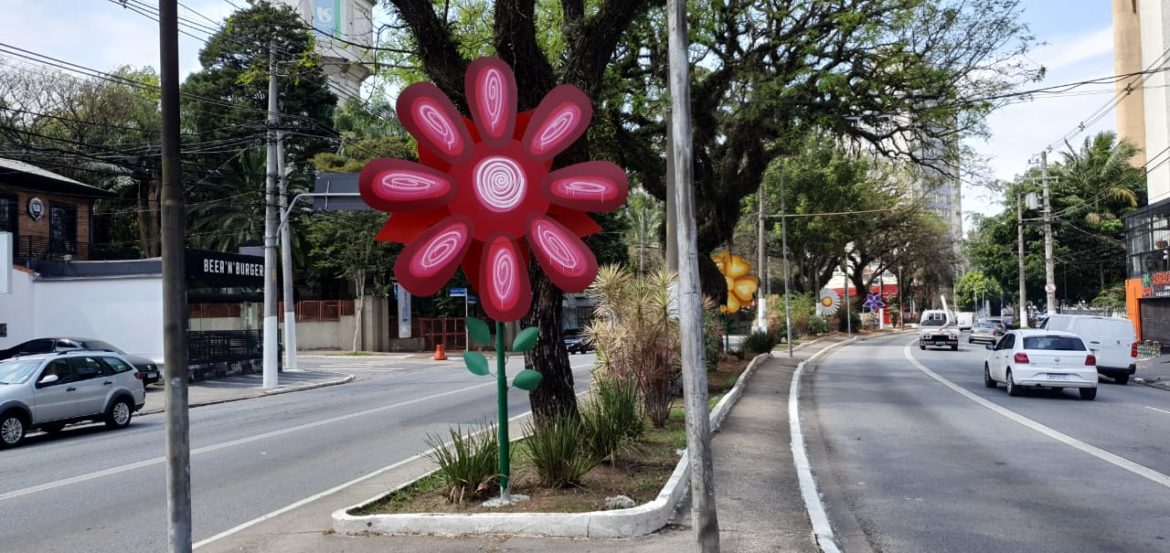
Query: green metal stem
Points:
[502, 407]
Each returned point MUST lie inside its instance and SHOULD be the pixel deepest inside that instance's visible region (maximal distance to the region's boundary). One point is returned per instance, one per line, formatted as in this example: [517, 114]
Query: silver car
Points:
[51, 390]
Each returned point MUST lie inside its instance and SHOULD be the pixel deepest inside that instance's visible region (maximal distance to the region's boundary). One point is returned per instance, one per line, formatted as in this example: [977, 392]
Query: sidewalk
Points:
[1154, 371]
[757, 494]
[242, 386]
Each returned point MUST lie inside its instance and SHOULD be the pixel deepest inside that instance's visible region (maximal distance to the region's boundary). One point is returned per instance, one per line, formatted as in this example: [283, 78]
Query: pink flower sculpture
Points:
[484, 195]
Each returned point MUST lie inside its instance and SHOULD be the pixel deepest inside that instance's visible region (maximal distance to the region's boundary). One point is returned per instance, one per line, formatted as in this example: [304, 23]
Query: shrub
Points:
[559, 452]
[468, 465]
[712, 334]
[853, 316]
[759, 342]
[612, 418]
[817, 325]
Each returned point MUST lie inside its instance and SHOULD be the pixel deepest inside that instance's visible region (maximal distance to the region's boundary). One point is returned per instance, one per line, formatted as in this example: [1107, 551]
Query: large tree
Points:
[589, 33]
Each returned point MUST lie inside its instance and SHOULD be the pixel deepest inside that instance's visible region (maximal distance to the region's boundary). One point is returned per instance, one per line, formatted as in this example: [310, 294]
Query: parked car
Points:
[49, 391]
[1113, 341]
[1041, 359]
[575, 342]
[148, 368]
[986, 331]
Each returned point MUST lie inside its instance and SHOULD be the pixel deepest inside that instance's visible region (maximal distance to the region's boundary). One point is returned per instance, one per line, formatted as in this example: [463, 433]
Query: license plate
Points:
[1052, 376]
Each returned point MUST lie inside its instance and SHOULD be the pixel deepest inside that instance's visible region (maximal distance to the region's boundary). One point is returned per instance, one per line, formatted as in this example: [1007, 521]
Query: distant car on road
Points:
[937, 328]
[575, 342]
[148, 368]
[986, 331]
[49, 391]
[1041, 359]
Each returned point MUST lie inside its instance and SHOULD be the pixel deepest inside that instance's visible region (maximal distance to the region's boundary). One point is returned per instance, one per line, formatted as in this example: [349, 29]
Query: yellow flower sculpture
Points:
[741, 286]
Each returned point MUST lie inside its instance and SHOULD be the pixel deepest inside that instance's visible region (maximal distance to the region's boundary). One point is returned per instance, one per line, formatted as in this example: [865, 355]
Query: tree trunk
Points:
[555, 395]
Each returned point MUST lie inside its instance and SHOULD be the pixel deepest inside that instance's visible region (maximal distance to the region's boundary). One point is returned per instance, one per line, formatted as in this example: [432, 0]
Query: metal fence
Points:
[40, 247]
[218, 346]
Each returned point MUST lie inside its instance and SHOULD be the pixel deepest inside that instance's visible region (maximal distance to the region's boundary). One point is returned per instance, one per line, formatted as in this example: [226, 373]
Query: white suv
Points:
[52, 390]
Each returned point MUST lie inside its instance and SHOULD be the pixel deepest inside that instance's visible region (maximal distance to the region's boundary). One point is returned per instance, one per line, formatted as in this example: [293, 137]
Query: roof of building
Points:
[25, 175]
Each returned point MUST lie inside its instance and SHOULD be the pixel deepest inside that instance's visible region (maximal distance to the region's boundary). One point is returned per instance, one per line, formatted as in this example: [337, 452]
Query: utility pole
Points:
[761, 269]
[270, 278]
[784, 250]
[671, 206]
[1049, 265]
[848, 316]
[690, 296]
[174, 228]
[286, 266]
[1023, 307]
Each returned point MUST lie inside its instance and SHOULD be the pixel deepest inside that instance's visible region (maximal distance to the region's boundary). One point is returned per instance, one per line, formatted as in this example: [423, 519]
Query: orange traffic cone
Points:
[440, 355]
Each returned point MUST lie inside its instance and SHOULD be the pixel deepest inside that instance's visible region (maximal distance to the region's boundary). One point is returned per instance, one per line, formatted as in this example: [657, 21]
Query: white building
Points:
[345, 30]
[1154, 18]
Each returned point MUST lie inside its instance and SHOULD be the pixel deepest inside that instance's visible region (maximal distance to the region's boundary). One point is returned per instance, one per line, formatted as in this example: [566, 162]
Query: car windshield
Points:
[1057, 343]
[17, 372]
[934, 322]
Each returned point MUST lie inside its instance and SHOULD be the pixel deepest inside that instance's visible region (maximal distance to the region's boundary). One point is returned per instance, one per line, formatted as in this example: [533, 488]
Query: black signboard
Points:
[221, 269]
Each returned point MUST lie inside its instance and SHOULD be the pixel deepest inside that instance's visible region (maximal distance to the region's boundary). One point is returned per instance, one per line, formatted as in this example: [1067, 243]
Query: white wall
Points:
[126, 312]
[1155, 25]
[16, 309]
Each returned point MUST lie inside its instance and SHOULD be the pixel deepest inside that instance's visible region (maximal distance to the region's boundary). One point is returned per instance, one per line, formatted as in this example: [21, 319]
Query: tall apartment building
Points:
[345, 30]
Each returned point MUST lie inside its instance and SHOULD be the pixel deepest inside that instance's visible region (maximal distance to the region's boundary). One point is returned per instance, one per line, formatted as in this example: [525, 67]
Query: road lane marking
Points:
[1158, 410]
[339, 487]
[224, 445]
[1115, 460]
[822, 528]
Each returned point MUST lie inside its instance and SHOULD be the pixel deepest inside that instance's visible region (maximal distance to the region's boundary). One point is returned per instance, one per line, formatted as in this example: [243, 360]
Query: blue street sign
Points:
[458, 292]
[472, 299]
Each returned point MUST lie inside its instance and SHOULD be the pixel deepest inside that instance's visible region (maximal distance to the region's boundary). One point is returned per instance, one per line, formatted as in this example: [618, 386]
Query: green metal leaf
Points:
[476, 363]
[527, 379]
[526, 339]
[479, 331]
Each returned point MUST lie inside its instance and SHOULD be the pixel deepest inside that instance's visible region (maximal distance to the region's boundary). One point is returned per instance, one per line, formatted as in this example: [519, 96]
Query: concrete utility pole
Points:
[761, 269]
[848, 316]
[270, 277]
[286, 268]
[690, 296]
[671, 207]
[174, 228]
[1049, 264]
[784, 251]
[1023, 307]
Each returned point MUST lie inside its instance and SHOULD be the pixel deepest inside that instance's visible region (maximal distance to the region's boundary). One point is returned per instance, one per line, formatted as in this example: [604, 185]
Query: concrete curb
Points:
[347, 378]
[623, 523]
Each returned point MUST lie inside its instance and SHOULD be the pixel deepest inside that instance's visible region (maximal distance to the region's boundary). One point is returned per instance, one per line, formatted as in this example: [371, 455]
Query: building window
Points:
[8, 213]
[63, 229]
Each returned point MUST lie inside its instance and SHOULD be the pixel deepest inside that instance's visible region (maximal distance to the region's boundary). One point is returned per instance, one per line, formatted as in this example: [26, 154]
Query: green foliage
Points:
[817, 325]
[759, 342]
[1112, 297]
[467, 464]
[559, 450]
[975, 286]
[802, 308]
[612, 418]
[853, 316]
[713, 333]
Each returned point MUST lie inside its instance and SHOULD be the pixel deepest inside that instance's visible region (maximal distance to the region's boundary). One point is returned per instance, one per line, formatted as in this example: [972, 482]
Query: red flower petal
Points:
[431, 118]
[427, 263]
[491, 94]
[397, 185]
[562, 117]
[589, 186]
[567, 261]
[504, 288]
[579, 223]
[404, 226]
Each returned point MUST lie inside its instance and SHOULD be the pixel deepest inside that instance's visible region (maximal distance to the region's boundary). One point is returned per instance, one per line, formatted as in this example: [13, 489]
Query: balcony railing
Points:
[40, 247]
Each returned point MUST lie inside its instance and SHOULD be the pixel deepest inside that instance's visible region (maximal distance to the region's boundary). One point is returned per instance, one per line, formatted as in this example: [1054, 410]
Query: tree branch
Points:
[515, 42]
[437, 48]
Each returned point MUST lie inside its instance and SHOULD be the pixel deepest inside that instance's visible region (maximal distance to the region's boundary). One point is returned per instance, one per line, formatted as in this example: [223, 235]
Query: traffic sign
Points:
[458, 292]
[1050, 288]
[472, 299]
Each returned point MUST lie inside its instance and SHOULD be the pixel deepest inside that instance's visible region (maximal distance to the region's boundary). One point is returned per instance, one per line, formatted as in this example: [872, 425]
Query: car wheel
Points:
[53, 427]
[955, 347]
[1012, 389]
[1122, 379]
[921, 347]
[987, 380]
[1088, 394]
[12, 427]
[118, 415]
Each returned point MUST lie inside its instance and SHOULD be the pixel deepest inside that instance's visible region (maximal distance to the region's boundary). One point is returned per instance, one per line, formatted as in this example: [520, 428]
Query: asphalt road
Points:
[104, 491]
[915, 465]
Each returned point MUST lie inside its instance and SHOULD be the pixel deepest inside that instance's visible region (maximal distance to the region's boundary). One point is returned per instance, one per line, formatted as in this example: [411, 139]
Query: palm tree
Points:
[1100, 170]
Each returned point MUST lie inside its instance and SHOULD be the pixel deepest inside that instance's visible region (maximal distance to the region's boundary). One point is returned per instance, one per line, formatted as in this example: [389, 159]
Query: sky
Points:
[1075, 44]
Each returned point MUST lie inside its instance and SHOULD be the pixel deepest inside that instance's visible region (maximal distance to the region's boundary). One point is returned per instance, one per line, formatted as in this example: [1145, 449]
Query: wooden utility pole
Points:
[270, 346]
[690, 299]
[174, 226]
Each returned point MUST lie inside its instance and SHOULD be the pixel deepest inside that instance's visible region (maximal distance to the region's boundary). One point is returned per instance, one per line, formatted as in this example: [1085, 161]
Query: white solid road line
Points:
[822, 528]
[336, 488]
[208, 449]
[1115, 460]
[1158, 410]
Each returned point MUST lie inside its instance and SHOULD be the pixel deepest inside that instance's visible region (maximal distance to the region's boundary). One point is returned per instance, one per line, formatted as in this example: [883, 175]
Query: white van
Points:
[1113, 342]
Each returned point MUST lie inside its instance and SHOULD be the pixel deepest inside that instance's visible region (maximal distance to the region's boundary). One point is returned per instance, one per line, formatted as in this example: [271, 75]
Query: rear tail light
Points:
[1133, 349]
[1021, 358]
[138, 375]
[1090, 360]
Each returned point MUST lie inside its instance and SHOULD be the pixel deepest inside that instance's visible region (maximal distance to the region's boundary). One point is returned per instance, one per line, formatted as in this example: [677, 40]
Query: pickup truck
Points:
[937, 328]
